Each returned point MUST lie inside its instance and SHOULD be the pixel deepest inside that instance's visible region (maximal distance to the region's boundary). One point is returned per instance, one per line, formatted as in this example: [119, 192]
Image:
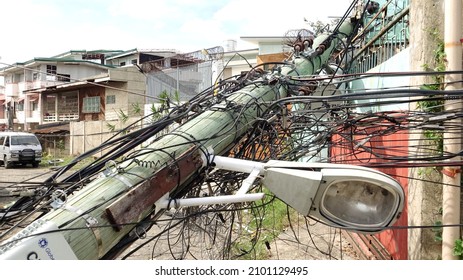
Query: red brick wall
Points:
[342, 151]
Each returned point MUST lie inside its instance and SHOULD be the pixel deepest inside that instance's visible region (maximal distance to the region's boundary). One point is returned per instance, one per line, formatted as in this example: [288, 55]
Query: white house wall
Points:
[397, 63]
[236, 70]
[130, 94]
[76, 70]
[271, 48]
[90, 134]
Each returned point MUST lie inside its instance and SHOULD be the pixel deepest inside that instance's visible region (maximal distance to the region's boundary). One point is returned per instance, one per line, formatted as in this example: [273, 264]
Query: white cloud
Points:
[33, 28]
[141, 9]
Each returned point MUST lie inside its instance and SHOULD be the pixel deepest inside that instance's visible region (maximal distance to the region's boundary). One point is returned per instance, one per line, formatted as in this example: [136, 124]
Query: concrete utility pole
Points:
[452, 140]
[96, 218]
[425, 198]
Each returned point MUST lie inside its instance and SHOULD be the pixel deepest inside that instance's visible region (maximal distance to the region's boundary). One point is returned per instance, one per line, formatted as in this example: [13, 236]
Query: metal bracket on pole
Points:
[254, 169]
[91, 222]
[143, 196]
[60, 203]
[166, 203]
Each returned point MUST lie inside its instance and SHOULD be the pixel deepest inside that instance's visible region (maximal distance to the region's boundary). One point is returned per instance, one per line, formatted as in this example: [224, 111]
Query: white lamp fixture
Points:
[346, 196]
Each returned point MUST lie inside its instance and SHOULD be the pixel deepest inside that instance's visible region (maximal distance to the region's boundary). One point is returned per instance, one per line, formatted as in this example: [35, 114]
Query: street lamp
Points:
[347, 196]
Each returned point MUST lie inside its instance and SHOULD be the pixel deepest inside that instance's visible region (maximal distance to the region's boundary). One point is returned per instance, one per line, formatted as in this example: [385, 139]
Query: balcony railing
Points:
[60, 117]
[385, 34]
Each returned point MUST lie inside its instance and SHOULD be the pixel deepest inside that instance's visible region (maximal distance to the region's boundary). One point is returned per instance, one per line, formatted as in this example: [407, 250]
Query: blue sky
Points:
[33, 28]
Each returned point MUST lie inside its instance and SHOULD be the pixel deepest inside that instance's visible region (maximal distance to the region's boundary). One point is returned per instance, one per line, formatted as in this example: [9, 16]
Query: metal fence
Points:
[384, 34]
[187, 81]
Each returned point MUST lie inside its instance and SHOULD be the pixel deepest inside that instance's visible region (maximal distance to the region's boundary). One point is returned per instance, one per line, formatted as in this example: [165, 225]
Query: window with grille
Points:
[51, 72]
[110, 99]
[91, 105]
[64, 77]
[20, 106]
[51, 69]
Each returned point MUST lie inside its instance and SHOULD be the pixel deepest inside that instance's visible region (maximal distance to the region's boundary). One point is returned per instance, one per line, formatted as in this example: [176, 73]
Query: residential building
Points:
[83, 92]
[138, 56]
[2, 107]
[271, 49]
[46, 95]
[22, 106]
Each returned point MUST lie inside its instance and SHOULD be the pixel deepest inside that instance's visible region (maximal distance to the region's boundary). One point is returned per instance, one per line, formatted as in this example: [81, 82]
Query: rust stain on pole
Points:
[129, 207]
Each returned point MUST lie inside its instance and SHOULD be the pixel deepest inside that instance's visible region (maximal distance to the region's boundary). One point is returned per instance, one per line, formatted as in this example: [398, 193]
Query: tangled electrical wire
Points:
[331, 124]
[323, 118]
[386, 129]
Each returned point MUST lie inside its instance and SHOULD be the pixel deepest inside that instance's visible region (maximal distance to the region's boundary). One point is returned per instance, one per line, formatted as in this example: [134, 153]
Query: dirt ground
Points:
[317, 242]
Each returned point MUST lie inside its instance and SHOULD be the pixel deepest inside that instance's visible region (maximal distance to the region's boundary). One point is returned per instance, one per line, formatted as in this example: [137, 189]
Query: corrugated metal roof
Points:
[52, 129]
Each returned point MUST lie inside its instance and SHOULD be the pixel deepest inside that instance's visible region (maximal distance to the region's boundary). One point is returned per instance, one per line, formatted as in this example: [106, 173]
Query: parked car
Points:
[20, 148]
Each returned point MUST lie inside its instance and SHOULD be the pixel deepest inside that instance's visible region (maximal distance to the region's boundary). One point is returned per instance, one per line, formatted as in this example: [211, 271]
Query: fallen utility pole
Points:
[91, 222]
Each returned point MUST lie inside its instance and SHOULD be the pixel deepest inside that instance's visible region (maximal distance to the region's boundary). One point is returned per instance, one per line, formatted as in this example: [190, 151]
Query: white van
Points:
[20, 148]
